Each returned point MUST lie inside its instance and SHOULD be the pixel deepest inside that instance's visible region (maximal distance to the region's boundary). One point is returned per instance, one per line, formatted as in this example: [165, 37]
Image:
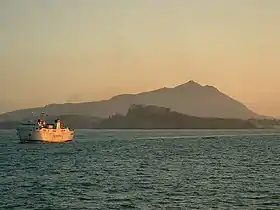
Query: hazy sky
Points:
[59, 50]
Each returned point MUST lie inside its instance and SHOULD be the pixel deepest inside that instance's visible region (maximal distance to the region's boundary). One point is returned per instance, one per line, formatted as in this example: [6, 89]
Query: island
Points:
[153, 117]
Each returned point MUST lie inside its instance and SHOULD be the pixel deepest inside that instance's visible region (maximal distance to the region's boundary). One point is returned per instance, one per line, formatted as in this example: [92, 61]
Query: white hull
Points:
[45, 135]
[40, 131]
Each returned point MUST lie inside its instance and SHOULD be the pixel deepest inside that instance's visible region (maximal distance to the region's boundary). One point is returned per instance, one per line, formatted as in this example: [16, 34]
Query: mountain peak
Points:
[189, 98]
[210, 87]
[190, 83]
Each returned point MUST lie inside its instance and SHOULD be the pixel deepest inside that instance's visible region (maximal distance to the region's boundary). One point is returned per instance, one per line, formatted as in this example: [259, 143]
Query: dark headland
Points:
[186, 106]
[152, 117]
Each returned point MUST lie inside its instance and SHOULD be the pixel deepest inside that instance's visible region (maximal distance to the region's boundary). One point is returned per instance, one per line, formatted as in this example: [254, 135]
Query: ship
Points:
[32, 131]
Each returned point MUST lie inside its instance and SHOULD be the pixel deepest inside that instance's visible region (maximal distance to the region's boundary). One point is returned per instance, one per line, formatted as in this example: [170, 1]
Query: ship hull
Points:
[45, 135]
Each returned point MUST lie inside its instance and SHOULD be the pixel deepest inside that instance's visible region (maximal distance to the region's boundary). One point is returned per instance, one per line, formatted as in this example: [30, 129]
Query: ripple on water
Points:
[112, 170]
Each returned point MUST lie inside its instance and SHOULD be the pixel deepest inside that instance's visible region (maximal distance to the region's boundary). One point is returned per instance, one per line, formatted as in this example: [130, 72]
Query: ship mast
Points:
[43, 115]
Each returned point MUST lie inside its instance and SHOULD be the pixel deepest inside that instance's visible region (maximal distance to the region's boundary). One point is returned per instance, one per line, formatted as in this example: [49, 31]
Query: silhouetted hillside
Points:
[152, 117]
[77, 122]
[190, 98]
[146, 117]
[73, 121]
[265, 123]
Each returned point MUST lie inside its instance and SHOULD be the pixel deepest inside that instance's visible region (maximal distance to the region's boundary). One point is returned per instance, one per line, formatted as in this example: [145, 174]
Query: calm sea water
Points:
[143, 170]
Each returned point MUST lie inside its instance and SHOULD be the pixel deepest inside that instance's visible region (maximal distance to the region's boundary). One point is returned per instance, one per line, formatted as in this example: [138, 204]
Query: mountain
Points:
[189, 98]
[153, 117]
[145, 117]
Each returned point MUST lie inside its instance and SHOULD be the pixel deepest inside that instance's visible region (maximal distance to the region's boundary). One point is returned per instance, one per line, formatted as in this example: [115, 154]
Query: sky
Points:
[70, 51]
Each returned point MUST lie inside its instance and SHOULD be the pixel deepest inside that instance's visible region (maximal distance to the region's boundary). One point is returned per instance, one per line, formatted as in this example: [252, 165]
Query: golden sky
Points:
[54, 51]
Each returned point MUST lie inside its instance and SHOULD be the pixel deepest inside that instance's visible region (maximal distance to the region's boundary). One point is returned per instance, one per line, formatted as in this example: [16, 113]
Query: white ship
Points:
[41, 131]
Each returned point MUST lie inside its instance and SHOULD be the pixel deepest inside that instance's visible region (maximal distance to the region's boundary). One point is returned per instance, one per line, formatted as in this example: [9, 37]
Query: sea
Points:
[143, 169]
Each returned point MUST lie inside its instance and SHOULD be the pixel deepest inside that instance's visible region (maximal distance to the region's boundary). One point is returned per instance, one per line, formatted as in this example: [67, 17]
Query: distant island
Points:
[152, 117]
[186, 106]
[189, 98]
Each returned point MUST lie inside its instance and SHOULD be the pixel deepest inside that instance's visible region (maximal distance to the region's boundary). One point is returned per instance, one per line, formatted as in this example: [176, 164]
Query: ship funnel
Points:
[57, 124]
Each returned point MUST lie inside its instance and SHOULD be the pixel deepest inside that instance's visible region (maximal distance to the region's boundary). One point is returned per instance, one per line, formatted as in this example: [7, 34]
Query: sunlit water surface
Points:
[143, 170]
